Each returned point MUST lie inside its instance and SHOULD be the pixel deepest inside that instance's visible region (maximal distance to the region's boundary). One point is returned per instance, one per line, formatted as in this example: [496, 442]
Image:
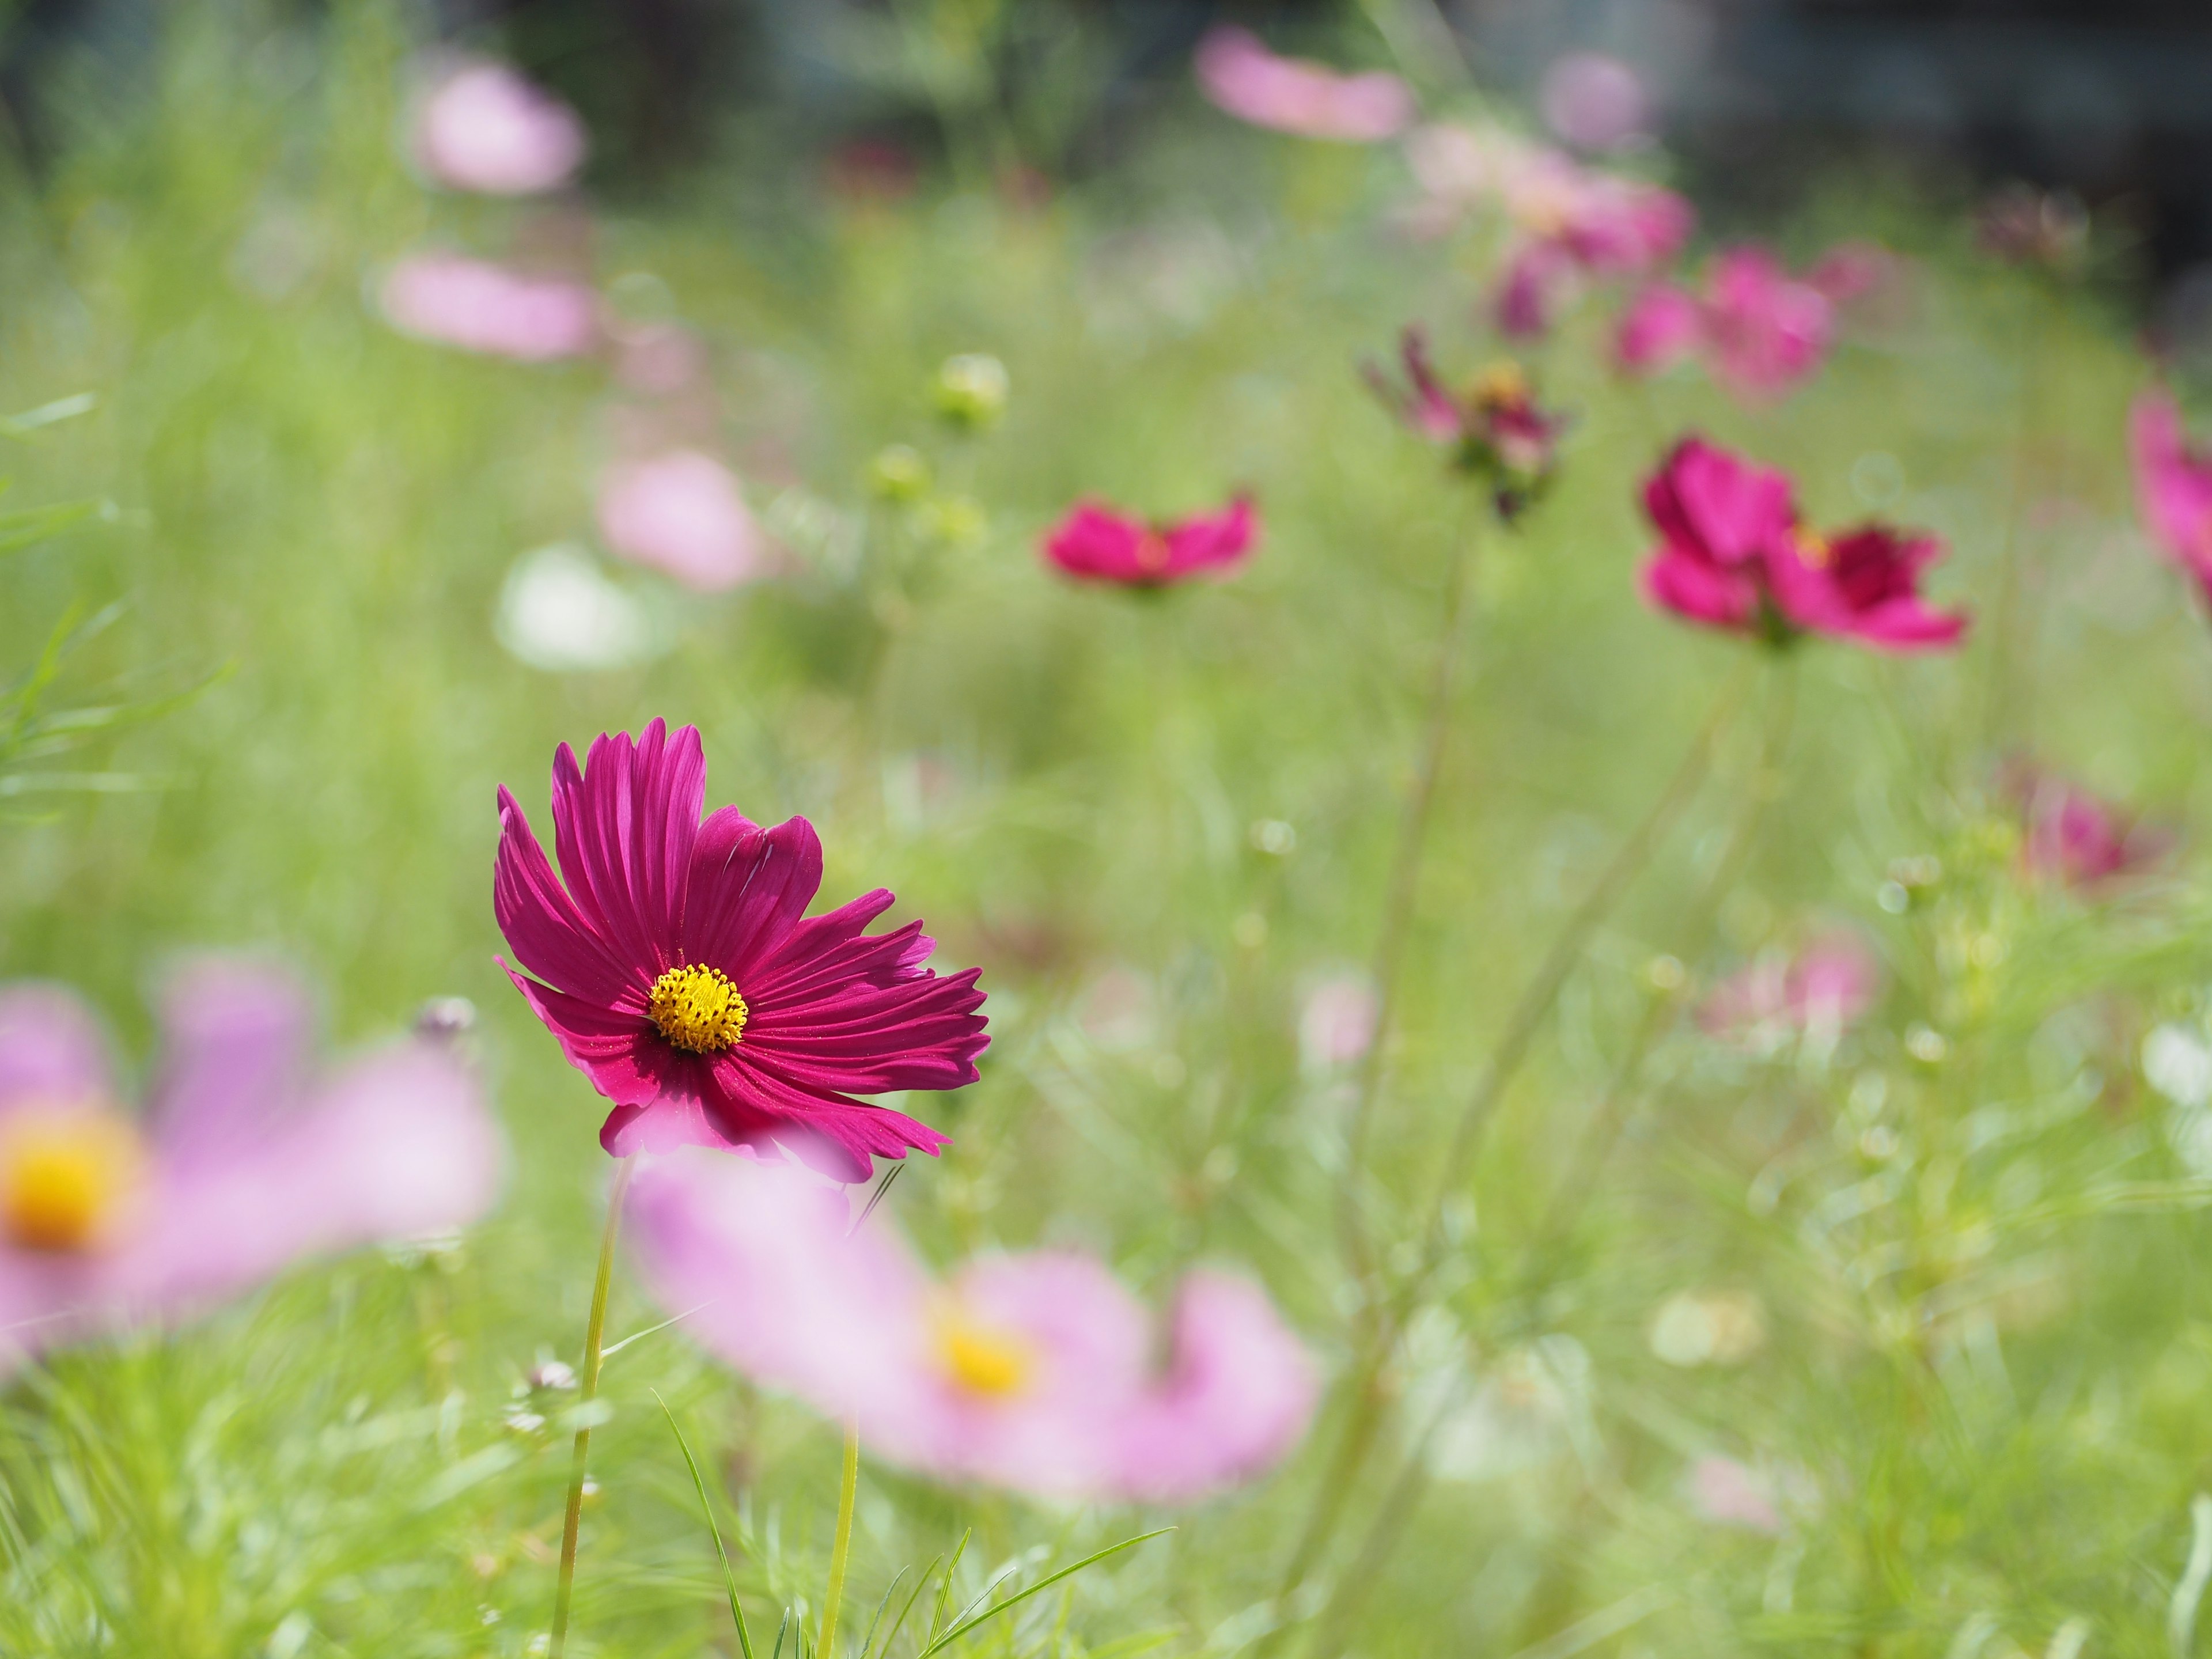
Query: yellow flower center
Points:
[64, 1176]
[1812, 547]
[983, 1359]
[1502, 385]
[697, 1009]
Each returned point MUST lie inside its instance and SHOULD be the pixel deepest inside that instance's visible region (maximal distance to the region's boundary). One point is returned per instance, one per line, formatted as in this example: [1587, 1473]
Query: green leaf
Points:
[1020, 1596]
[707, 1509]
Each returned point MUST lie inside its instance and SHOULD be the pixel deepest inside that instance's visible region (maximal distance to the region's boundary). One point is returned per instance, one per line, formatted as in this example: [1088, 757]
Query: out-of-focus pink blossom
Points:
[1034, 1372]
[1239, 75]
[1760, 330]
[244, 1161]
[478, 307]
[1734, 554]
[658, 358]
[1498, 431]
[1822, 990]
[1594, 102]
[682, 514]
[2075, 838]
[1336, 1023]
[484, 128]
[1094, 542]
[2174, 485]
[1728, 1493]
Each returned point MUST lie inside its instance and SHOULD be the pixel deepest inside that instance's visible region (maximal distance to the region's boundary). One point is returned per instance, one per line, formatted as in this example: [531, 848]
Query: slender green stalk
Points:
[594, 1332]
[1399, 897]
[849, 1483]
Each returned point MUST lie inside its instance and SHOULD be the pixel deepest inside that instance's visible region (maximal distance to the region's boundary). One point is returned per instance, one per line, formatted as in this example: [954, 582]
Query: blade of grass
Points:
[889, 1590]
[707, 1509]
[1020, 1596]
[875, 1198]
[780, 1631]
[912, 1596]
[944, 1588]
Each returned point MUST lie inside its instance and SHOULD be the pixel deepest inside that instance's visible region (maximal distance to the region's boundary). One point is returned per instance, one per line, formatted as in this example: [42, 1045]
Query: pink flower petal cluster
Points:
[244, 1161]
[2174, 485]
[1239, 75]
[1569, 223]
[1821, 991]
[1760, 330]
[681, 974]
[484, 128]
[1734, 554]
[2073, 837]
[1500, 434]
[681, 512]
[1037, 1372]
[479, 307]
[1095, 543]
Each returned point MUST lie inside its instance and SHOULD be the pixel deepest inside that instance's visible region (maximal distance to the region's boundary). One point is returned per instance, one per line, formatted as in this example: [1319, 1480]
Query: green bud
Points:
[971, 390]
[899, 474]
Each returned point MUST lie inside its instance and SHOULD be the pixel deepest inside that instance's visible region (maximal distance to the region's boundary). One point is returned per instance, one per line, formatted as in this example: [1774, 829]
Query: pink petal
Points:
[548, 934]
[52, 1054]
[623, 829]
[236, 1043]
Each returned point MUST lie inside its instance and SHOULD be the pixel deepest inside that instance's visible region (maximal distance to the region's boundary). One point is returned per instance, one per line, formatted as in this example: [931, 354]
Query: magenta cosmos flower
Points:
[2075, 838]
[683, 976]
[1040, 1373]
[1239, 75]
[1760, 330]
[1734, 554]
[1821, 991]
[243, 1163]
[456, 301]
[1497, 431]
[484, 128]
[2174, 485]
[1094, 542]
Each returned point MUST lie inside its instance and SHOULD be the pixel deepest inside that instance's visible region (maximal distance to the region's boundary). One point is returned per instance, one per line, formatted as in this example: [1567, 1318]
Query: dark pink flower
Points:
[1094, 542]
[2174, 485]
[483, 307]
[485, 128]
[1289, 94]
[244, 1161]
[1498, 432]
[1760, 329]
[1821, 991]
[2075, 838]
[680, 978]
[1037, 1372]
[1734, 554]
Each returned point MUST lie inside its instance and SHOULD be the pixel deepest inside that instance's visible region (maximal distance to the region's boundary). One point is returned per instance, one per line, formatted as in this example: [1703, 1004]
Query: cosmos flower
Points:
[2174, 485]
[1094, 542]
[243, 1163]
[1760, 330]
[681, 513]
[1734, 554]
[679, 976]
[1821, 991]
[2073, 837]
[1498, 432]
[1337, 1022]
[1035, 1372]
[456, 301]
[484, 128]
[1289, 94]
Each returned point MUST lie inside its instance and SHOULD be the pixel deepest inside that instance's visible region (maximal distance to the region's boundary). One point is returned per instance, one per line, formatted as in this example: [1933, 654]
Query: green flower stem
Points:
[594, 1333]
[848, 1485]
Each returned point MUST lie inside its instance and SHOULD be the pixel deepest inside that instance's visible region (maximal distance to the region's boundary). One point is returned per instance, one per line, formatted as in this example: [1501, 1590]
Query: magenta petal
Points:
[623, 829]
[619, 1051]
[548, 934]
[824, 1129]
[751, 901]
[52, 1052]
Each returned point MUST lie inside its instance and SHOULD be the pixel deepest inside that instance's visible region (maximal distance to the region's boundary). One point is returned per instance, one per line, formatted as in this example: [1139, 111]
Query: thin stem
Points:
[1398, 902]
[849, 1485]
[2003, 703]
[594, 1332]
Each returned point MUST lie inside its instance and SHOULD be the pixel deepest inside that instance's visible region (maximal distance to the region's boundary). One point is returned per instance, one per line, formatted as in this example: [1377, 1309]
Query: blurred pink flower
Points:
[484, 128]
[1569, 221]
[1337, 1022]
[681, 513]
[658, 358]
[243, 1163]
[1094, 542]
[1761, 329]
[1732, 1494]
[477, 307]
[2075, 838]
[1734, 554]
[1822, 990]
[1034, 1372]
[1239, 75]
[681, 980]
[1594, 102]
[2173, 484]
[1498, 431]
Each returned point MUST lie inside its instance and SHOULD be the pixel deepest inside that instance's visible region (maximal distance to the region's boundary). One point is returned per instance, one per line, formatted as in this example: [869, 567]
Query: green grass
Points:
[1988, 1326]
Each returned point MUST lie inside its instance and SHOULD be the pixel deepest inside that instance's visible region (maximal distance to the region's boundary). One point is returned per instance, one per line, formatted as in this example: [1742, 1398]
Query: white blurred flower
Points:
[559, 613]
[1708, 1328]
[2177, 1061]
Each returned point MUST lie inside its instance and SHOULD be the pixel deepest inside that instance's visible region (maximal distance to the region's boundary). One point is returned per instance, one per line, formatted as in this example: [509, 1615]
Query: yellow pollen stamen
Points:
[1812, 547]
[697, 1009]
[983, 1359]
[63, 1177]
[1502, 385]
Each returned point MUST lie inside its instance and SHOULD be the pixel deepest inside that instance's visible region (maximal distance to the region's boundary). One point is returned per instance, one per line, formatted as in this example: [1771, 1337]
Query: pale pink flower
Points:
[1239, 75]
[2075, 838]
[1759, 330]
[682, 514]
[1040, 1373]
[1732, 1494]
[479, 307]
[1594, 102]
[244, 1161]
[1821, 991]
[484, 128]
[1337, 1022]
